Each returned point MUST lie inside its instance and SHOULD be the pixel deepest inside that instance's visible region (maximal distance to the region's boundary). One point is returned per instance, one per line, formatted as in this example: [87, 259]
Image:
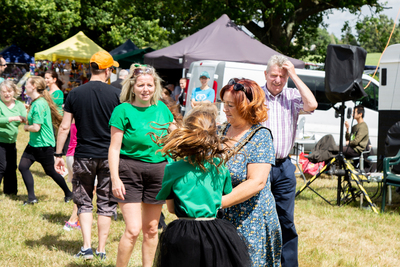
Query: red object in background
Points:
[215, 87]
[309, 167]
[185, 92]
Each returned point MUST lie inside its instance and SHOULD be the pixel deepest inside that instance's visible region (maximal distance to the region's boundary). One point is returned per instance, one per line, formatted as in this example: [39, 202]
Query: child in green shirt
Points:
[193, 187]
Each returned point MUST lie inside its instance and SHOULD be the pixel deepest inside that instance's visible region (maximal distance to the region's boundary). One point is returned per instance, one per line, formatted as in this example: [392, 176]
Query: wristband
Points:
[58, 155]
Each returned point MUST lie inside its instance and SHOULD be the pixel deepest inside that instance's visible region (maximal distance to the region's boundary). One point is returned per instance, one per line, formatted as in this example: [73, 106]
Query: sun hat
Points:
[205, 74]
[104, 60]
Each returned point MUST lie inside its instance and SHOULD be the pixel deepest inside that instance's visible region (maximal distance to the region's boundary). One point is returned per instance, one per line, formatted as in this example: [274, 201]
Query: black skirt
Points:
[201, 243]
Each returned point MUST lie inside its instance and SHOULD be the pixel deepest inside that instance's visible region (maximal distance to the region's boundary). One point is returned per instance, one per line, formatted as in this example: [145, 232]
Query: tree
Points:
[347, 35]
[274, 23]
[373, 33]
[35, 25]
[317, 47]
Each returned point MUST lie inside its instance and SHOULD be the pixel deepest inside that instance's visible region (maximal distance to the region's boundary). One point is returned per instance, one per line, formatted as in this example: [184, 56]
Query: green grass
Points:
[372, 59]
[328, 235]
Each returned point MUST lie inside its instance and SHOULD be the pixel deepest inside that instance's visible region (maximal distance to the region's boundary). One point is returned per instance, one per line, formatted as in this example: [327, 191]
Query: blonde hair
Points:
[40, 86]
[127, 84]
[10, 85]
[197, 140]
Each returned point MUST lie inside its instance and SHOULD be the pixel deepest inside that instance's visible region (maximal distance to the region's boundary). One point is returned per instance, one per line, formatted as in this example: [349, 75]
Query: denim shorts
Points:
[85, 172]
[142, 180]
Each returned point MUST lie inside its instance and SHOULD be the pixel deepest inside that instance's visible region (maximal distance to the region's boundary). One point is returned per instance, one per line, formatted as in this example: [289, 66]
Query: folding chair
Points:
[389, 178]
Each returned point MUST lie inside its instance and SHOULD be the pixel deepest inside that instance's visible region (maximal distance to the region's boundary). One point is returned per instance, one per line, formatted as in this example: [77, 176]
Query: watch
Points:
[58, 155]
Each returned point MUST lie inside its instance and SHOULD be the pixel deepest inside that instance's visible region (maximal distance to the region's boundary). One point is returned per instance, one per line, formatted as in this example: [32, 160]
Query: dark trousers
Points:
[283, 187]
[8, 168]
[43, 155]
[349, 152]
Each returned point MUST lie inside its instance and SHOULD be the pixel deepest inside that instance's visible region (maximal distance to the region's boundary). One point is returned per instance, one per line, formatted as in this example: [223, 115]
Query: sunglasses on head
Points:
[239, 87]
[142, 69]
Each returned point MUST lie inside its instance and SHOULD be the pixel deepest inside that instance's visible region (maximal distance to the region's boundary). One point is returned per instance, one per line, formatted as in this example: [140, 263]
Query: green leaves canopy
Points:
[284, 25]
[35, 25]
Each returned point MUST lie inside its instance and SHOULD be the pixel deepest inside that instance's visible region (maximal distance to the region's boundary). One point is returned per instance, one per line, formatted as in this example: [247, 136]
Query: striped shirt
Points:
[283, 113]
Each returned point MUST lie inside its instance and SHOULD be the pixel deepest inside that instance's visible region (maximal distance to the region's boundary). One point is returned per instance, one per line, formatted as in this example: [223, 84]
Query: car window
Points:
[317, 87]
[371, 100]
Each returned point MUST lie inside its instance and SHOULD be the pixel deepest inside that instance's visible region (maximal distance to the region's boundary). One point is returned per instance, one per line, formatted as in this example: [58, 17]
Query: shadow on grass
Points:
[54, 243]
[329, 192]
[95, 262]
[55, 218]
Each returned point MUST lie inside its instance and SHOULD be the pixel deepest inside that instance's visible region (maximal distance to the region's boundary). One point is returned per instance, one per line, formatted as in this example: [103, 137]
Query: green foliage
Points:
[317, 43]
[35, 25]
[285, 26]
[373, 33]
[282, 25]
[347, 35]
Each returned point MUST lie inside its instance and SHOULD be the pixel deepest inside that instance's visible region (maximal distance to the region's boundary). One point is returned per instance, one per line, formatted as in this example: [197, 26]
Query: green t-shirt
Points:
[40, 114]
[135, 122]
[58, 99]
[196, 194]
[9, 130]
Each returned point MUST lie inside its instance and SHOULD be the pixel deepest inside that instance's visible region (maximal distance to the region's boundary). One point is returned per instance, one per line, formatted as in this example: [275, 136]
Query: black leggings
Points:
[45, 157]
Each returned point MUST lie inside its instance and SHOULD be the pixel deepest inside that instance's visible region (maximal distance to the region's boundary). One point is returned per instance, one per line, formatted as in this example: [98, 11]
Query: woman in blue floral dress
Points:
[251, 205]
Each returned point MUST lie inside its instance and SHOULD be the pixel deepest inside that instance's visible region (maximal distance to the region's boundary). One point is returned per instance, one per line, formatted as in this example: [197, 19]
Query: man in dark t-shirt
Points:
[91, 105]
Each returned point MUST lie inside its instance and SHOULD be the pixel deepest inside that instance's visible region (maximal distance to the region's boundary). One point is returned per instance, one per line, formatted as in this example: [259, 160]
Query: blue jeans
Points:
[283, 187]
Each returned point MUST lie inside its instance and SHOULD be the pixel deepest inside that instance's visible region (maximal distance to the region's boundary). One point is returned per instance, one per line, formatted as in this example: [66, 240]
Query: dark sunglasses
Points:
[139, 70]
[240, 87]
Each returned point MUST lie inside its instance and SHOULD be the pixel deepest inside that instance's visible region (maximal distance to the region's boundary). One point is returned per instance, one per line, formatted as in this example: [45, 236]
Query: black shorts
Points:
[142, 180]
[43, 155]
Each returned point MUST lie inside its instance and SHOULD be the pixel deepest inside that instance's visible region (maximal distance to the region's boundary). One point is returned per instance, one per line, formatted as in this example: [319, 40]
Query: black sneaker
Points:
[68, 198]
[30, 202]
[101, 255]
[85, 254]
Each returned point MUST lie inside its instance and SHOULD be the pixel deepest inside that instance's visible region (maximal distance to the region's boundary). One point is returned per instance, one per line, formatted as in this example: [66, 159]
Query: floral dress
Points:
[256, 218]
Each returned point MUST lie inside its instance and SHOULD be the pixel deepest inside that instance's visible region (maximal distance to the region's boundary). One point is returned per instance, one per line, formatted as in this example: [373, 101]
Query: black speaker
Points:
[344, 67]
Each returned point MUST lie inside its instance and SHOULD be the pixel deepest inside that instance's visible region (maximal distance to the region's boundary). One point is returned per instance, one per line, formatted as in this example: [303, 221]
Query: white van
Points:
[323, 121]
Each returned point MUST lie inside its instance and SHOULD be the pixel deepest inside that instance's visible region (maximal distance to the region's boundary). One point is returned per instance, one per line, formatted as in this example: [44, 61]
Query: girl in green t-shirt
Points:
[42, 115]
[193, 187]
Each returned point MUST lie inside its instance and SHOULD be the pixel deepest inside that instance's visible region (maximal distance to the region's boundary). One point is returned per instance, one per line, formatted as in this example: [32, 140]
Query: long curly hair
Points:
[197, 141]
[40, 86]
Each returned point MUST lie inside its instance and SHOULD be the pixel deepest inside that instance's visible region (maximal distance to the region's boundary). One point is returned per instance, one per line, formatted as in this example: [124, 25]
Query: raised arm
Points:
[310, 103]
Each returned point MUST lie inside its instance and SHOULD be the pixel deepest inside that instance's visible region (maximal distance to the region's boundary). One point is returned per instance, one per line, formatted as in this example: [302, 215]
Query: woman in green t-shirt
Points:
[42, 115]
[193, 187]
[136, 168]
[12, 113]
[55, 84]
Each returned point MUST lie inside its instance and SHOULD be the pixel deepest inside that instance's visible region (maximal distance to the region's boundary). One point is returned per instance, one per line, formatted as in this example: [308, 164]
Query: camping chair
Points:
[389, 178]
[359, 162]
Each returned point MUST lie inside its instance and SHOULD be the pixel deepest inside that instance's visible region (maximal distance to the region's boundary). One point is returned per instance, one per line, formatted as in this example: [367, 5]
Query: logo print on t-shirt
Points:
[201, 97]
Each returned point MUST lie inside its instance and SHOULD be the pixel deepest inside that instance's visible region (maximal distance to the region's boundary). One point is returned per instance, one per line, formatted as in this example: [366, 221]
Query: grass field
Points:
[328, 235]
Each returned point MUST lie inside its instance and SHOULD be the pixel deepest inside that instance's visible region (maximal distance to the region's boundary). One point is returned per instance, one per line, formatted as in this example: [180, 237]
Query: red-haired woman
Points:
[251, 205]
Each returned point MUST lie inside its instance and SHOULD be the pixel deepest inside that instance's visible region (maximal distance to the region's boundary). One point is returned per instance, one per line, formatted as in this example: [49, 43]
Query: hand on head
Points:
[289, 67]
